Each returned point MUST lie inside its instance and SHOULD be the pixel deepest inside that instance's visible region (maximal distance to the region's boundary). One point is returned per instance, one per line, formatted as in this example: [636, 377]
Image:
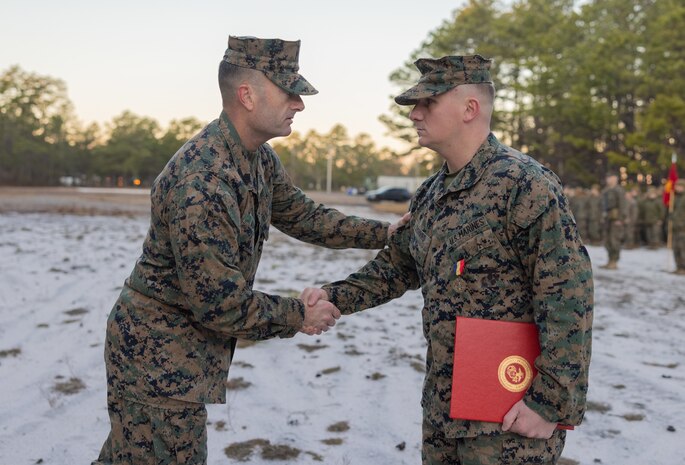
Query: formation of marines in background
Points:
[627, 219]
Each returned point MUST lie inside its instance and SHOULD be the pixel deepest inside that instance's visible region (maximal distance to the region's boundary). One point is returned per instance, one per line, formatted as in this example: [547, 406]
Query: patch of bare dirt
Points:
[243, 451]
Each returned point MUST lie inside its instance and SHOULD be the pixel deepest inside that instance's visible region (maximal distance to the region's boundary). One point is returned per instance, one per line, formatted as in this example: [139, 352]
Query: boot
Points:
[612, 265]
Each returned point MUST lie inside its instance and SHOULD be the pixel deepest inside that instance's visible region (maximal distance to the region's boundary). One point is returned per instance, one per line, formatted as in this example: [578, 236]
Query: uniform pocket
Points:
[179, 435]
[476, 271]
[475, 254]
[474, 246]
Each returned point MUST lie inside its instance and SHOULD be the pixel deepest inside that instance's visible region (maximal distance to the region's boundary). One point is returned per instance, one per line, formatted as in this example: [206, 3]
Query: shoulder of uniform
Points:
[428, 182]
[534, 188]
[424, 187]
[517, 162]
[198, 181]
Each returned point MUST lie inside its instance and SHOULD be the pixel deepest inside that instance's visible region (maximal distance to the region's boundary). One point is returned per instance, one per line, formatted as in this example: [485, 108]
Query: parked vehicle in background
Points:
[395, 194]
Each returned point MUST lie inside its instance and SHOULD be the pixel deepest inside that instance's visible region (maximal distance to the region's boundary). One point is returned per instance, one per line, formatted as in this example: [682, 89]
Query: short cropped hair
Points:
[487, 90]
[230, 77]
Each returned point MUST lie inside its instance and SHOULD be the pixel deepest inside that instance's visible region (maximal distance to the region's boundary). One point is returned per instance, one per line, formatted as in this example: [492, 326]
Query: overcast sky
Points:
[159, 58]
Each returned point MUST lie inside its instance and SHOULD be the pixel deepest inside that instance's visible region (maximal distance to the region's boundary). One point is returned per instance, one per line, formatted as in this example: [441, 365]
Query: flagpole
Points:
[671, 204]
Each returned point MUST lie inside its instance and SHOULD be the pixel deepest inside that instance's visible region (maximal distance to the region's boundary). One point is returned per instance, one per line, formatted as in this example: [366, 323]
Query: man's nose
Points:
[296, 102]
[415, 114]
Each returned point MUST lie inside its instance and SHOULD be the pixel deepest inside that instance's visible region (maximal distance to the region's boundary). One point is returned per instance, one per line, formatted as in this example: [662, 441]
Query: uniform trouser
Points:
[679, 249]
[501, 449]
[595, 231]
[630, 237]
[613, 238]
[581, 223]
[172, 432]
[654, 233]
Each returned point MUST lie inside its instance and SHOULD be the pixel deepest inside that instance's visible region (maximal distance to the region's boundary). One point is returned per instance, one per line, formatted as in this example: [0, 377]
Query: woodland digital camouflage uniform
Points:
[173, 329]
[172, 332]
[145, 434]
[654, 212]
[579, 208]
[615, 215]
[499, 449]
[594, 217]
[630, 236]
[505, 215]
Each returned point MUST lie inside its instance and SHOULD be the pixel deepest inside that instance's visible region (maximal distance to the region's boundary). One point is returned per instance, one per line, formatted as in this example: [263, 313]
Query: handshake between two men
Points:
[319, 313]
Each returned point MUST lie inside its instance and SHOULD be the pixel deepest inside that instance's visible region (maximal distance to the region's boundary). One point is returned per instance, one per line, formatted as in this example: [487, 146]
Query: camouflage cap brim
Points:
[422, 90]
[292, 83]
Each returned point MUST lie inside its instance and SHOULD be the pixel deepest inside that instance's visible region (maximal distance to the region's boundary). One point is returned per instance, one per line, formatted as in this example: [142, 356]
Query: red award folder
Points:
[494, 364]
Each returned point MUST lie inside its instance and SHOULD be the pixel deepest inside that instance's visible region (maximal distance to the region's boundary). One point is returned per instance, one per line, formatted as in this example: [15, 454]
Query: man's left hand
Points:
[402, 221]
[522, 420]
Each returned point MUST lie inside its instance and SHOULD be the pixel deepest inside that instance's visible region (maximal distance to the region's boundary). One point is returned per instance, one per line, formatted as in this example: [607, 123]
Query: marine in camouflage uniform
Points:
[615, 216]
[504, 217]
[594, 214]
[678, 225]
[641, 227]
[172, 332]
[654, 214]
[631, 228]
[579, 208]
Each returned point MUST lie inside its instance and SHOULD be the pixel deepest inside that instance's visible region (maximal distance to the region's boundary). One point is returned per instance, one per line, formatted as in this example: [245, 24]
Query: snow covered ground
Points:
[350, 396]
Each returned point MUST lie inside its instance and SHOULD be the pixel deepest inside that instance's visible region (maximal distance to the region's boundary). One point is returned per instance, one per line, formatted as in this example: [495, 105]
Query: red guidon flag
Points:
[494, 364]
[670, 182]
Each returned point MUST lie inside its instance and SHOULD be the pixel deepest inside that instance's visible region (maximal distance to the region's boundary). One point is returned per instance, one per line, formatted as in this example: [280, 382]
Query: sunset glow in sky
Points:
[159, 58]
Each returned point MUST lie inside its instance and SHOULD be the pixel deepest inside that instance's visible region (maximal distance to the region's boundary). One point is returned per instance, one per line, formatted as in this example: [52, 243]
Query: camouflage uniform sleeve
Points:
[389, 275]
[300, 217]
[205, 243]
[558, 265]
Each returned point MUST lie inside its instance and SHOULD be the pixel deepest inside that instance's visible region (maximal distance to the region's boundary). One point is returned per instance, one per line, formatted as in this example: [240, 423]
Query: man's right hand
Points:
[311, 295]
[319, 314]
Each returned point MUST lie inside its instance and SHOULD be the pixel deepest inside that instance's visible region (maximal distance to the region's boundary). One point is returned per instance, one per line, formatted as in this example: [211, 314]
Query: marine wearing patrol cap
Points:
[442, 74]
[276, 58]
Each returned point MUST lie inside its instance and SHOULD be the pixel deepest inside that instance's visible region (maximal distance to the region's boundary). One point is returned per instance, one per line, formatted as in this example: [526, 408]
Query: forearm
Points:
[300, 217]
[232, 308]
[558, 393]
[388, 276]
[222, 300]
[563, 304]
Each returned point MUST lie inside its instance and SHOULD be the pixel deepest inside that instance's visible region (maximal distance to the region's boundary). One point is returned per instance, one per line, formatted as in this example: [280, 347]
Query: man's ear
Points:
[245, 94]
[472, 109]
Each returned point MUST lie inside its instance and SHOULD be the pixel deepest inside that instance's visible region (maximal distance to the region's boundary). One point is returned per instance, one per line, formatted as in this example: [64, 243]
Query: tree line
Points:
[42, 142]
[586, 87]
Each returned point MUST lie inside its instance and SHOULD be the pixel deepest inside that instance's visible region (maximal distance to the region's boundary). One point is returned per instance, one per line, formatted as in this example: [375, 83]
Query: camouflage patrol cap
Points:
[276, 58]
[442, 74]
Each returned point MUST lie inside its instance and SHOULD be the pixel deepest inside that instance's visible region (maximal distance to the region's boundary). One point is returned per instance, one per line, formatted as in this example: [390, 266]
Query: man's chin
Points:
[283, 133]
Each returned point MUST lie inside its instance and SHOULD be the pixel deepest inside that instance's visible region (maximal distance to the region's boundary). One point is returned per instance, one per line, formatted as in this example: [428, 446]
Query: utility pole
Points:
[329, 170]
